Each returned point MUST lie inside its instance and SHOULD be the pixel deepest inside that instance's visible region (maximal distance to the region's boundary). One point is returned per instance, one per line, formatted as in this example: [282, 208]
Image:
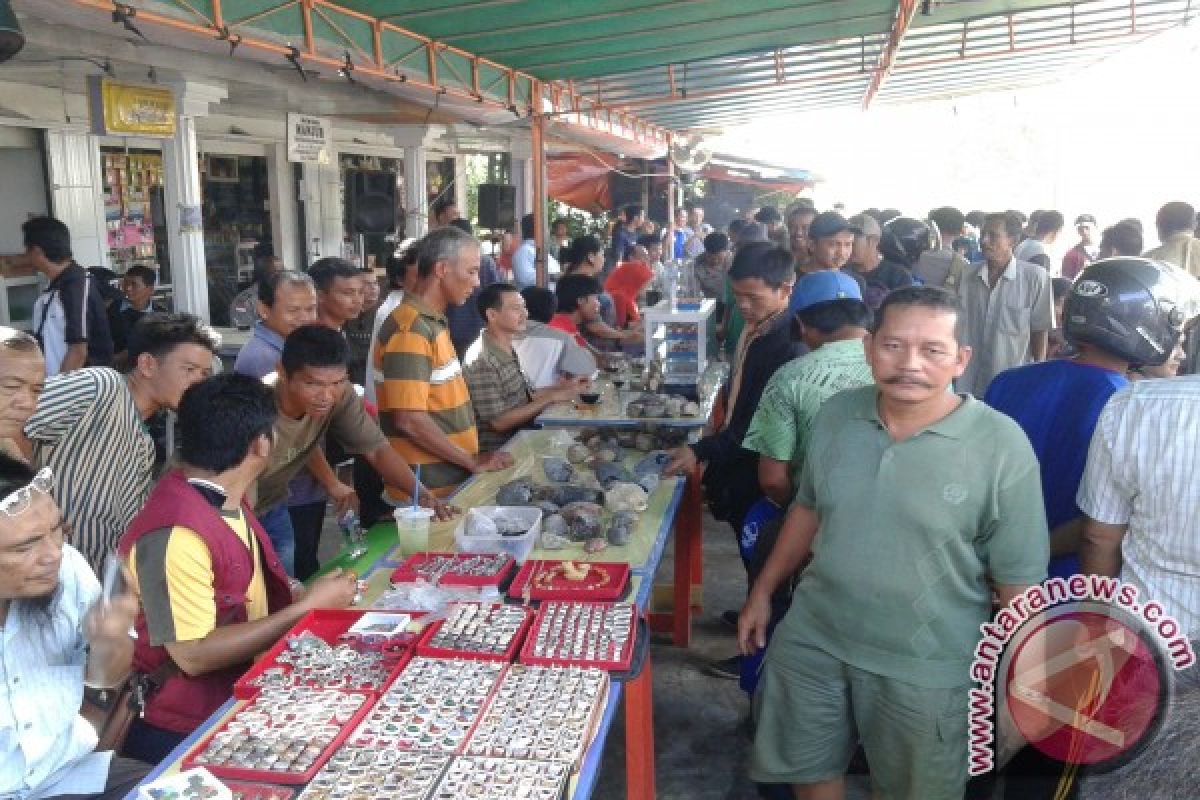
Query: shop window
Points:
[237, 225]
[134, 211]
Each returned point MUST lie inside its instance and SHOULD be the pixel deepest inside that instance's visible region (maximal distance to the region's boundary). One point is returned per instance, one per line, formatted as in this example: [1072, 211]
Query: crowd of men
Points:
[923, 418]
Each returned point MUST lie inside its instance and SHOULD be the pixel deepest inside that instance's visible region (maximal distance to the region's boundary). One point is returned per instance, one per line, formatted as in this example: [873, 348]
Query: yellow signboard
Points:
[125, 109]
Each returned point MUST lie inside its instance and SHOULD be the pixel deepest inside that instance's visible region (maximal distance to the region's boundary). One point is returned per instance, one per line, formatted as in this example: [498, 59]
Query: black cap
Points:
[828, 223]
[1084, 219]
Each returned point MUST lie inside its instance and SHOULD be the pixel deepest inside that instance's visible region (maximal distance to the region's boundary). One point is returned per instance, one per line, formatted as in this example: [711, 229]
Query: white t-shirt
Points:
[394, 298]
[1028, 249]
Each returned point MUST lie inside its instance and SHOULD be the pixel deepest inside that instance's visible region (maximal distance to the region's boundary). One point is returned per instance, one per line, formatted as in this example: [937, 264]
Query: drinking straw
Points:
[417, 487]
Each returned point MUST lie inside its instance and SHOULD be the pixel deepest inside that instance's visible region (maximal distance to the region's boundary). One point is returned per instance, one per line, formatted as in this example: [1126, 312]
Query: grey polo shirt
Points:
[910, 532]
[996, 321]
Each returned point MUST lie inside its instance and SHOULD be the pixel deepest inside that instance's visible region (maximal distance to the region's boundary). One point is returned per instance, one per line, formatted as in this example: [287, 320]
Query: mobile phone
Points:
[113, 583]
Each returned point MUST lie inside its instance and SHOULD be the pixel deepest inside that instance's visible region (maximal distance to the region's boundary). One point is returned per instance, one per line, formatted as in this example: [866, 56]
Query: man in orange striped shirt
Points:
[424, 406]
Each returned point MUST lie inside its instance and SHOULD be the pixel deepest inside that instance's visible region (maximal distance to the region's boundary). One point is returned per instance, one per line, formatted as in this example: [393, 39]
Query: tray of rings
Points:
[363, 773]
[282, 735]
[431, 707]
[597, 635]
[502, 779]
[541, 713]
[477, 630]
[335, 649]
[570, 580]
[455, 569]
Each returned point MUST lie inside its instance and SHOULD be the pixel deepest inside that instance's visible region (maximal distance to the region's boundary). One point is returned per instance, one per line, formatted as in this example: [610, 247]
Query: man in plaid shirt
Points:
[501, 395]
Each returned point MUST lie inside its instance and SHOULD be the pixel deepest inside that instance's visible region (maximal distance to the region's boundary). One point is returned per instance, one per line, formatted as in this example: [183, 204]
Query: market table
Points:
[688, 579]
[644, 552]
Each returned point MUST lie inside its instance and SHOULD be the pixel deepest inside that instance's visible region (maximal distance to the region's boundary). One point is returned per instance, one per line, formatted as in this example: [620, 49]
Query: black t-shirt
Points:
[85, 316]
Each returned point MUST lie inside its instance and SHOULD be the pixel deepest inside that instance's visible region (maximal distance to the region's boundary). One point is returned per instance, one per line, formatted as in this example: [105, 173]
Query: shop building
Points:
[211, 187]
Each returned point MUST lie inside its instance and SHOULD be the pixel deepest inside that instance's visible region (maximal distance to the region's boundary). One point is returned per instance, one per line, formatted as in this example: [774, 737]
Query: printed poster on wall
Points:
[309, 139]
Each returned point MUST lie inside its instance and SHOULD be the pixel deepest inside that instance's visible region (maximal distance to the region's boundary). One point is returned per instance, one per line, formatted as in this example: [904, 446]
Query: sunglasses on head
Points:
[19, 501]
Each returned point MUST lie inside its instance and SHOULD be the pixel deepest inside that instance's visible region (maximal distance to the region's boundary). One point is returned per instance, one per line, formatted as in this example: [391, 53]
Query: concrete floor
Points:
[701, 731]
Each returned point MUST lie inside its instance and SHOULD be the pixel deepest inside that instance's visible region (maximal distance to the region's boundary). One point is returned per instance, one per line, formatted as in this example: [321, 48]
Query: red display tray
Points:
[328, 624]
[559, 588]
[267, 776]
[407, 572]
[424, 648]
[258, 791]
[622, 664]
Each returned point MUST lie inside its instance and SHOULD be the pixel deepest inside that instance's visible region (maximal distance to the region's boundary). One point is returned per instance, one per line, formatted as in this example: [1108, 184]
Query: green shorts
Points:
[812, 709]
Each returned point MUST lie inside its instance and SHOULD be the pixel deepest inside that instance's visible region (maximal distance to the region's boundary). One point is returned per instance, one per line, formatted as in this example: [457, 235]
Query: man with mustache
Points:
[57, 632]
[915, 503]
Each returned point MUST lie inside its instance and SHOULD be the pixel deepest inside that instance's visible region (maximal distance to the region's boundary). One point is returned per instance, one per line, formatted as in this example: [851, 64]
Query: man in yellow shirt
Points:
[214, 594]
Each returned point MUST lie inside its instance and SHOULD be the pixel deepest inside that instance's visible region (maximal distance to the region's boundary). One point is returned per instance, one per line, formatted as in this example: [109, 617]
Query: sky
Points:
[1115, 140]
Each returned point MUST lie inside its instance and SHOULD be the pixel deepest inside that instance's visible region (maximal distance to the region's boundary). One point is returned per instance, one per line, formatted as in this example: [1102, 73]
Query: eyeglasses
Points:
[19, 501]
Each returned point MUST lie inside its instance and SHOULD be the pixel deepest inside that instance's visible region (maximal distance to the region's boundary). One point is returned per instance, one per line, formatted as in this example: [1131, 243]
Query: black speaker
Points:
[371, 201]
[497, 206]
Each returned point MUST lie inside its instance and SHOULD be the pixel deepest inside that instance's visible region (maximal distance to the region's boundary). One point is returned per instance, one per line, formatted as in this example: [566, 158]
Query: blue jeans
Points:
[278, 525]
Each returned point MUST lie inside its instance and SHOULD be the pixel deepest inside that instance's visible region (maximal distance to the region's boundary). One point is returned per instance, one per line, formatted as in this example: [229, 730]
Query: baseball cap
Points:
[865, 225]
[821, 287]
[1084, 219]
[827, 223]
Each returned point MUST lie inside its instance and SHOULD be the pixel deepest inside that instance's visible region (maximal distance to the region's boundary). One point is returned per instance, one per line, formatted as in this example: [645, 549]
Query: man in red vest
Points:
[214, 594]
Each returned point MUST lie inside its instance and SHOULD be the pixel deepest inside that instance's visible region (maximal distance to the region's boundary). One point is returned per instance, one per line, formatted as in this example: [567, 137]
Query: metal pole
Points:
[669, 245]
[537, 131]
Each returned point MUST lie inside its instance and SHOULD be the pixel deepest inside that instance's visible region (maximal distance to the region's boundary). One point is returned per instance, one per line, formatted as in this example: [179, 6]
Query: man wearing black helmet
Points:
[1057, 402]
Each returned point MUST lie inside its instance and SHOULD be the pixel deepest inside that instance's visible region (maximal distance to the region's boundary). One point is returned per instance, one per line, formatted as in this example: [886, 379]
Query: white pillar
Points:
[416, 139]
[416, 192]
[189, 271]
[321, 195]
[460, 184]
[522, 176]
[285, 217]
[76, 193]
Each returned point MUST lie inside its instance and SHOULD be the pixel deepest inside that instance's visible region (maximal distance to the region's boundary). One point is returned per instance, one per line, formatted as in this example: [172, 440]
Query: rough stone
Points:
[595, 545]
[606, 454]
[554, 524]
[625, 497]
[584, 521]
[569, 493]
[578, 453]
[607, 474]
[557, 469]
[515, 493]
[620, 528]
[480, 524]
[653, 463]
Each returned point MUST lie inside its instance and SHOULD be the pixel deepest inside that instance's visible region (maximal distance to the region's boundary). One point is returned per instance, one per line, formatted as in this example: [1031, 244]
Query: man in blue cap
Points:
[831, 319]
[828, 314]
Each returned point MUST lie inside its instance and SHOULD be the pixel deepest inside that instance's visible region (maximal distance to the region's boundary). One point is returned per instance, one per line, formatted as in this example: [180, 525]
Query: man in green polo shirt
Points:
[915, 504]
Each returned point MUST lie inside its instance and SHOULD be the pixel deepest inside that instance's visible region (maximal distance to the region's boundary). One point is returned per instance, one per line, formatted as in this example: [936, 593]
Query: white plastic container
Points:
[519, 547]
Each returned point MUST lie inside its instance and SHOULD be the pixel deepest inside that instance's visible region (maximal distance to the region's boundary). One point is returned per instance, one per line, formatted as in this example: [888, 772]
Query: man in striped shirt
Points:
[1140, 495]
[424, 406]
[90, 427]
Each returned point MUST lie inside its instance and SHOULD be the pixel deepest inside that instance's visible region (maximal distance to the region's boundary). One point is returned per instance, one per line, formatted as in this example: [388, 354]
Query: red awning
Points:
[580, 180]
